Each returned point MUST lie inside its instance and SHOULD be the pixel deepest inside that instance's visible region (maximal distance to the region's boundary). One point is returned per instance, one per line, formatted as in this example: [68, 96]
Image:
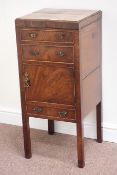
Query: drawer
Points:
[46, 36]
[48, 53]
[50, 112]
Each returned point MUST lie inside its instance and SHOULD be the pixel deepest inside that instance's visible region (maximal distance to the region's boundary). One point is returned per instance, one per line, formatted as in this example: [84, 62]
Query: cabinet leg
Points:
[80, 146]
[27, 140]
[50, 127]
[99, 128]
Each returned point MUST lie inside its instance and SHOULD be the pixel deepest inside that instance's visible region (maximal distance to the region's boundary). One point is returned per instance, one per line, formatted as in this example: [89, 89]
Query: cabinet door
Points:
[50, 84]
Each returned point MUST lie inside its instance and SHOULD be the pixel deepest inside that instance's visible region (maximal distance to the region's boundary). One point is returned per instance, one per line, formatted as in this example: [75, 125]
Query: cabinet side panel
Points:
[91, 91]
[90, 47]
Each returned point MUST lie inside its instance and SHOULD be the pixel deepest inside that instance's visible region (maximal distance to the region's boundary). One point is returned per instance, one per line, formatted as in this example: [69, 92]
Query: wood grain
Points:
[47, 35]
[48, 53]
[50, 84]
[52, 113]
[51, 127]
[90, 52]
[25, 118]
[60, 19]
[99, 122]
[91, 89]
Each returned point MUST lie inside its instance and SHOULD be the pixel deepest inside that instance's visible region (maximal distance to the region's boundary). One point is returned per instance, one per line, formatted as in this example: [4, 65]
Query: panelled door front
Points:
[49, 83]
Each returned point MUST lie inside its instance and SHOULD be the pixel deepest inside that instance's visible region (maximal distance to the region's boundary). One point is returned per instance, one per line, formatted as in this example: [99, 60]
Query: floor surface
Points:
[53, 154]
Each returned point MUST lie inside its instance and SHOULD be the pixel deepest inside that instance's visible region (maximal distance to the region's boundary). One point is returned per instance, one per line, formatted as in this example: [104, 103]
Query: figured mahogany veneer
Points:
[50, 84]
[63, 114]
[48, 53]
[59, 56]
[46, 35]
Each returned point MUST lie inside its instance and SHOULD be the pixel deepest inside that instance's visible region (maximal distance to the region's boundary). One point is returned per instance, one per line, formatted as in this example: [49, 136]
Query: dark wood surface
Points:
[59, 19]
[59, 56]
[91, 89]
[51, 112]
[90, 48]
[51, 127]
[27, 139]
[55, 84]
[46, 35]
[48, 53]
[99, 125]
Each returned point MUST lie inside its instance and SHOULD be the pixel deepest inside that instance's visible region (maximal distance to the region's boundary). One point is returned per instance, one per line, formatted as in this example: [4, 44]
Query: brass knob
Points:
[34, 53]
[60, 53]
[26, 80]
[62, 113]
[62, 36]
[32, 35]
[37, 109]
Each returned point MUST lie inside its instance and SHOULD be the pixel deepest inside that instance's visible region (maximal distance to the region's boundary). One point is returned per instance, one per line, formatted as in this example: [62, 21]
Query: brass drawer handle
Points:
[62, 36]
[34, 53]
[62, 113]
[26, 80]
[33, 35]
[37, 109]
[60, 53]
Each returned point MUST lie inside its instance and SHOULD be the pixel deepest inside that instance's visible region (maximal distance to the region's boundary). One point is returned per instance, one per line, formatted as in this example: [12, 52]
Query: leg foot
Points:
[99, 128]
[80, 146]
[28, 156]
[51, 127]
[27, 140]
[81, 164]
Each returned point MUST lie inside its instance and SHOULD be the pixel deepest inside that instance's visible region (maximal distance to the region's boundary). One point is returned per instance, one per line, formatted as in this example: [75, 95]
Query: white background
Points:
[10, 111]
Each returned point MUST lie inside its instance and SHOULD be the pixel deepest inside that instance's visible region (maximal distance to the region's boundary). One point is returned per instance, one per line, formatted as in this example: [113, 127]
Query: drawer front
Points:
[49, 84]
[48, 53]
[49, 112]
[46, 36]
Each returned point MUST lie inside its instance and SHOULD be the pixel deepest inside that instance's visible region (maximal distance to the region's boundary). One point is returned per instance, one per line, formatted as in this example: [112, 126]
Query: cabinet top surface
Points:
[74, 15]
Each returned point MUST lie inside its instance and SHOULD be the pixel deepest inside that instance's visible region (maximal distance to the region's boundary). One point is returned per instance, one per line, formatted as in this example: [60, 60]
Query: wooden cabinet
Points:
[59, 56]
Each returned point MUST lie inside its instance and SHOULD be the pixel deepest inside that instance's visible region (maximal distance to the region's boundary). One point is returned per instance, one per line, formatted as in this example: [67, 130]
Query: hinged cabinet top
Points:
[58, 18]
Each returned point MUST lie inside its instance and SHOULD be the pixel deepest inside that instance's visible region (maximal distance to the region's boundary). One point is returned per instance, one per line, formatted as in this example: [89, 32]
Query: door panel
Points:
[49, 84]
